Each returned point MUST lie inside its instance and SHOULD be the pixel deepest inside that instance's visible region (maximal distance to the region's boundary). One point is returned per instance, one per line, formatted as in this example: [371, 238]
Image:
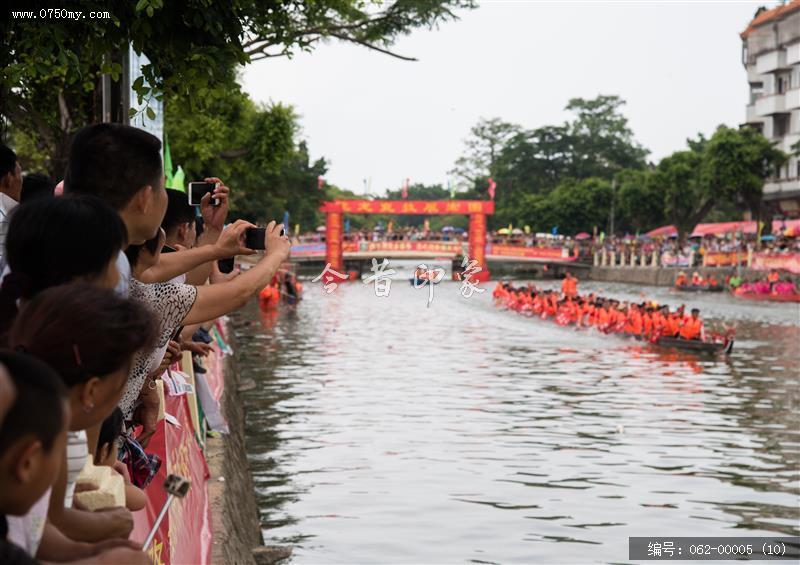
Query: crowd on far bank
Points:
[584, 245]
[107, 279]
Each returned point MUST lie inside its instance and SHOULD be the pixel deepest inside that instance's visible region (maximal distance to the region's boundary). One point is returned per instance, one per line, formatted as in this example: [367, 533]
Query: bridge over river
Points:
[358, 255]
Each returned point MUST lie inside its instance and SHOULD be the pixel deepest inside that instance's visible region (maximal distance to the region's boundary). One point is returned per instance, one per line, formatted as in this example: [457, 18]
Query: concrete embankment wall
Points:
[236, 527]
[663, 276]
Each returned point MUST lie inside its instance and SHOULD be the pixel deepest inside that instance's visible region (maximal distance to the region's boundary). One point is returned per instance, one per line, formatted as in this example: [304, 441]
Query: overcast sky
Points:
[676, 64]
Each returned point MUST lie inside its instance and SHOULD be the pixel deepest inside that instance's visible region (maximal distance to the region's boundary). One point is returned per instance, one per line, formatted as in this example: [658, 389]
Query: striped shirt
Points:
[77, 452]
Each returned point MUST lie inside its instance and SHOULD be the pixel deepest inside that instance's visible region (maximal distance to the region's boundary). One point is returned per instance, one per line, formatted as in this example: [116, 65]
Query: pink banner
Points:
[185, 535]
[777, 261]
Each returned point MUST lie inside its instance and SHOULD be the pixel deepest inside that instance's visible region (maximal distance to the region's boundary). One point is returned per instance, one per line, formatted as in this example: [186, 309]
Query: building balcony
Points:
[753, 75]
[752, 117]
[776, 189]
[771, 104]
[792, 100]
[788, 141]
[793, 53]
[771, 61]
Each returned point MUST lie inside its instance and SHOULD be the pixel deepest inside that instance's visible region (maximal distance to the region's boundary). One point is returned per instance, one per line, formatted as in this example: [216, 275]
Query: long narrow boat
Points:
[721, 345]
[768, 297]
[696, 345]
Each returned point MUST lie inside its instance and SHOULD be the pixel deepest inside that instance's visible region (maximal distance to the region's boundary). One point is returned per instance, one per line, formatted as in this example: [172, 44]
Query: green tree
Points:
[481, 151]
[686, 197]
[50, 81]
[597, 142]
[602, 141]
[254, 148]
[639, 203]
[736, 163]
[573, 206]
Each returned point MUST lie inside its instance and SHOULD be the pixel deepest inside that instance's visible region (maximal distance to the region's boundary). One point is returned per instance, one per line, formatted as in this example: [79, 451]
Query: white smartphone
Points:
[199, 189]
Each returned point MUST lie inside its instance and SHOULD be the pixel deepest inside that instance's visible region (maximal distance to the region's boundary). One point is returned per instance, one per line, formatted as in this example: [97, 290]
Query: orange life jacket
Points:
[647, 323]
[691, 328]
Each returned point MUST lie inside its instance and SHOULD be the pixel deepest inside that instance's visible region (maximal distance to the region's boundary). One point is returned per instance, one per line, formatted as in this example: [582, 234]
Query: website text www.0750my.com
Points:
[59, 14]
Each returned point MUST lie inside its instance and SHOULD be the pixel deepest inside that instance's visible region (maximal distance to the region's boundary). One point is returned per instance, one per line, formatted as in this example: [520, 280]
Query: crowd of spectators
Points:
[582, 245]
[103, 288]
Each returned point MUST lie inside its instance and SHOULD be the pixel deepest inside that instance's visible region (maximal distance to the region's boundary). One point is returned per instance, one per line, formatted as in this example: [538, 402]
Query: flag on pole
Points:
[492, 187]
[405, 188]
[286, 220]
[347, 225]
[320, 182]
[167, 161]
[452, 189]
[297, 229]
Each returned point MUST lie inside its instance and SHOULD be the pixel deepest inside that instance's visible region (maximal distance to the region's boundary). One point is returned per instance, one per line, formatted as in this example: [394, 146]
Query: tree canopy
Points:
[50, 74]
[545, 176]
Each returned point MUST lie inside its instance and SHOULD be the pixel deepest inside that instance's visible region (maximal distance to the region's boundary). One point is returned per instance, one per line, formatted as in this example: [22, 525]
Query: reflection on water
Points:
[385, 431]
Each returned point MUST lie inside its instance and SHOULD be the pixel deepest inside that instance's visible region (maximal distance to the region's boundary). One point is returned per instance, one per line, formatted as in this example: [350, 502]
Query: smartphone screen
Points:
[225, 265]
[254, 238]
[199, 189]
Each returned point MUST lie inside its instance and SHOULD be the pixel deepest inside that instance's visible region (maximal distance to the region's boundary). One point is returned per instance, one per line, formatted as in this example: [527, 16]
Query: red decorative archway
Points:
[476, 209]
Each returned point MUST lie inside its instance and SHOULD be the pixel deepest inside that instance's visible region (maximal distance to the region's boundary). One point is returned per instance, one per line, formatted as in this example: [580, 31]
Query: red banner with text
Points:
[184, 536]
[419, 207]
[724, 259]
[541, 253]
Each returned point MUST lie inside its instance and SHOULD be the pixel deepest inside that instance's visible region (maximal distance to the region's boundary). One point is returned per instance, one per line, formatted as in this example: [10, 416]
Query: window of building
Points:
[780, 125]
[756, 91]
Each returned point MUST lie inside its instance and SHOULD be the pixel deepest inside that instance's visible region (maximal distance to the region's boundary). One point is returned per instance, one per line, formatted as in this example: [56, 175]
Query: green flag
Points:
[167, 161]
[177, 180]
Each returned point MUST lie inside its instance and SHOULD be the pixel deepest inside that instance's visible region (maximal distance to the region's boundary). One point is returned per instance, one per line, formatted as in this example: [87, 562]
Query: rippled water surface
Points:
[383, 431]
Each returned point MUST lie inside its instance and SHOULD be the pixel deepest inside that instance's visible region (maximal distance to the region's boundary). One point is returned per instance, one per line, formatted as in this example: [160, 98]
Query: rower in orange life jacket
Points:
[498, 290]
[681, 280]
[697, 280]
[569, 286]
[659, 320]
[773, 277]
[603, 316]
[633, 323]
[647, 322]
[672, 324]
[693, 327]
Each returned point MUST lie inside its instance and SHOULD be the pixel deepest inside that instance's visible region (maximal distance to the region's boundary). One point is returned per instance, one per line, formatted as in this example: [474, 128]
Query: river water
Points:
[382, 430]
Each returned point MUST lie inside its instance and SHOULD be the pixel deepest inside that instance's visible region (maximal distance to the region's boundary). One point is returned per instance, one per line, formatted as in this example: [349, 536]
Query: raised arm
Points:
[170, 265]
[218, 299]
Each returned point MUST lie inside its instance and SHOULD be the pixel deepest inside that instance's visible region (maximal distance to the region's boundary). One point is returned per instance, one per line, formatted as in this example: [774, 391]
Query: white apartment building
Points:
[771, 57]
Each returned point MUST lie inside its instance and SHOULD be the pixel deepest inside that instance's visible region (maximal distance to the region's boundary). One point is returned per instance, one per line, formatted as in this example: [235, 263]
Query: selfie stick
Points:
[175, 486]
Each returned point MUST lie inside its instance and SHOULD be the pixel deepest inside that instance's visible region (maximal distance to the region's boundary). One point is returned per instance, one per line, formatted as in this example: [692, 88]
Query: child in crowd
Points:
[32, 441]
[90, 336]
[33, 436]
[108, 444]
